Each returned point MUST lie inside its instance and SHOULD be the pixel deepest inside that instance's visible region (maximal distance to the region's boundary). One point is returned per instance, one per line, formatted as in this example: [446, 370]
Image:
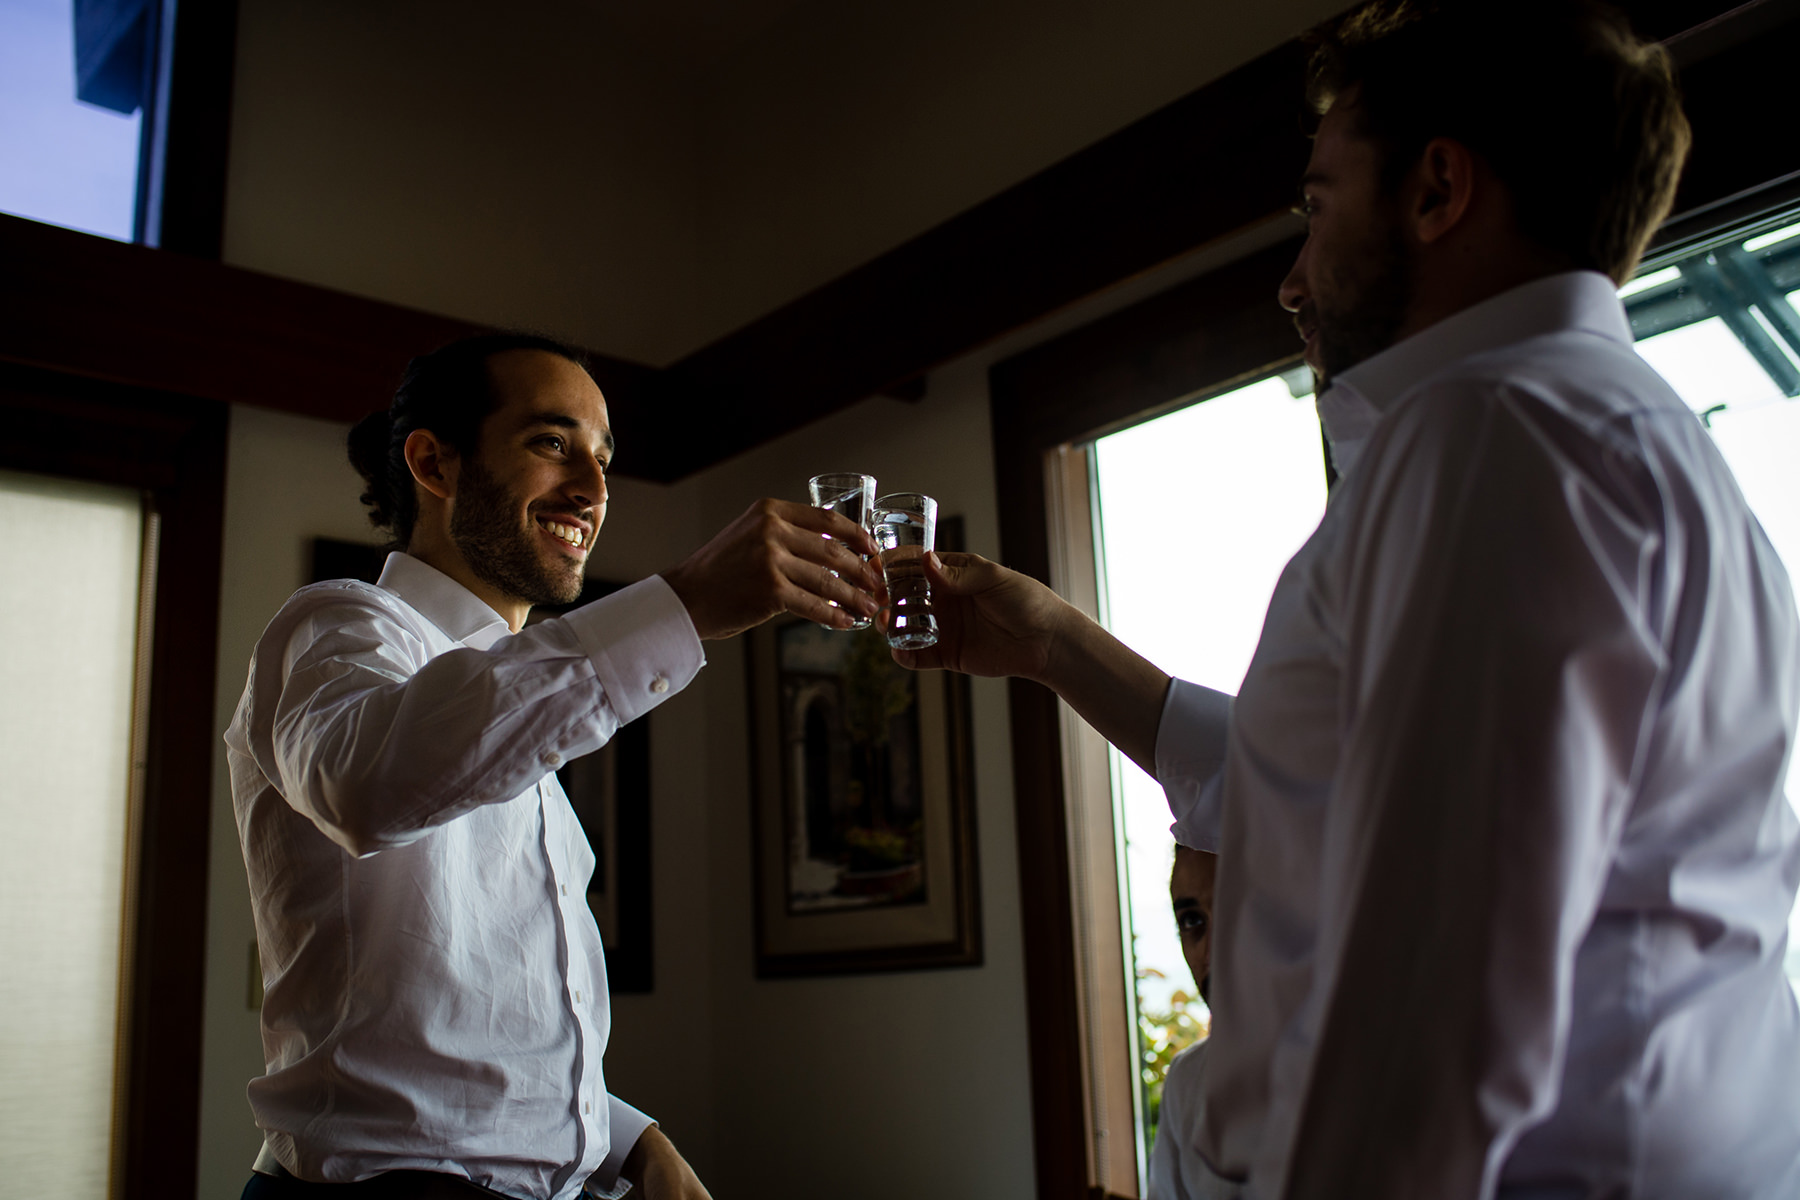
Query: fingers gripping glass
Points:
[852, 497]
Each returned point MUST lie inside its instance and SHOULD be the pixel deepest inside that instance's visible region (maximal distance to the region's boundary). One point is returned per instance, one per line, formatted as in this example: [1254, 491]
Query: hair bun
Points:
[368, 443]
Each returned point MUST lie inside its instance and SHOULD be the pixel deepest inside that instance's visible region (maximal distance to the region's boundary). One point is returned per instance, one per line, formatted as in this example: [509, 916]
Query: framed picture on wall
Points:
[608, 789]
[864, 814]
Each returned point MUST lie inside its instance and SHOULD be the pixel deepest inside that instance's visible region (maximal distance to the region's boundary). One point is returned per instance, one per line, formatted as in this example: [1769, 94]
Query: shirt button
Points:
[660, 684]
[586, 1107]
[565, 888]
[578, 995]
[551, 759]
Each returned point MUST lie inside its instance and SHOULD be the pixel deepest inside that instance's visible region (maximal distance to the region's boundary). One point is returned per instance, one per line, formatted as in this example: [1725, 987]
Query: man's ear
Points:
[1444, 183]
[433, 463]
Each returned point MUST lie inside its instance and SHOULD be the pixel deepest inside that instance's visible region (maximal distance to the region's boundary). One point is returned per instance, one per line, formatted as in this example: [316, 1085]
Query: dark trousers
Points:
[391, 1185]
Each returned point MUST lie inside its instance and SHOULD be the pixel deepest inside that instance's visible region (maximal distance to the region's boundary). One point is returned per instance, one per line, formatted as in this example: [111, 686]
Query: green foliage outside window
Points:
[1161, 1036]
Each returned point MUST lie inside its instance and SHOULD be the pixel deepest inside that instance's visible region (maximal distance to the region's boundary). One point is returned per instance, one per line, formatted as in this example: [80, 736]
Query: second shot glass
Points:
[905, 528]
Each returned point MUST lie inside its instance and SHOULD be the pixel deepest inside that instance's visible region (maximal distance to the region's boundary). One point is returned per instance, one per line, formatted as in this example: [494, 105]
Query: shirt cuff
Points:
[625, 1125]
[1190, 760]
[642, 643]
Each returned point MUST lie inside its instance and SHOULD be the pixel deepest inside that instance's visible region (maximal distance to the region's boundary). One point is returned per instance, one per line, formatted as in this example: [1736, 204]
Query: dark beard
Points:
[1369, 306]
[501, 554]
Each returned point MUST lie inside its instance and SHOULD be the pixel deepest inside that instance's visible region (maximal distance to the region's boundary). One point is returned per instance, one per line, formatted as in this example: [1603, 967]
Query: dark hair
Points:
[449, 392]
[1577, 116]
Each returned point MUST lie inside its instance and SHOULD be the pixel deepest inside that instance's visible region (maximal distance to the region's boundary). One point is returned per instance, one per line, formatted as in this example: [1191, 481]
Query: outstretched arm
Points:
[993, 621]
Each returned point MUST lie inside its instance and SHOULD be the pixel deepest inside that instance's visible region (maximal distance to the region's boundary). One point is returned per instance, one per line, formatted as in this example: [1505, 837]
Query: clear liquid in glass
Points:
[904, 538]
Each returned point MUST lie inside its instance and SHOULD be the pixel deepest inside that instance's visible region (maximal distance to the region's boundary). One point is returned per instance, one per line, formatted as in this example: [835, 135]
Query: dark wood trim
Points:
[1187, 175]
[1727, 97]
[182, 200]
[1209, 163]
[1202, 334]
[173, 447]
[89, 306]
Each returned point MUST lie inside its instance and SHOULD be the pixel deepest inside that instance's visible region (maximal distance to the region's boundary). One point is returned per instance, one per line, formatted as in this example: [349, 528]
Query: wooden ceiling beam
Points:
[1211, 163]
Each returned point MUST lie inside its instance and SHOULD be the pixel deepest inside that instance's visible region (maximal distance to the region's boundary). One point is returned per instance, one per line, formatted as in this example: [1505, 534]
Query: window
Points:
[1721, 322]
[1188, 591]
[75, 80]
[70, 734]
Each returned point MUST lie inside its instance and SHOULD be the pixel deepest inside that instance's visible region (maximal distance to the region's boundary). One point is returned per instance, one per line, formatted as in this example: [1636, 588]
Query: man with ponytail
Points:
[435, 1008]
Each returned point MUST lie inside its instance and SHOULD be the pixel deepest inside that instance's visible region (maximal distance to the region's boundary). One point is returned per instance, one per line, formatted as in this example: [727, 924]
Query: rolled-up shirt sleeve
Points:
[1502, 673]
[376, 745]
[1190, 761]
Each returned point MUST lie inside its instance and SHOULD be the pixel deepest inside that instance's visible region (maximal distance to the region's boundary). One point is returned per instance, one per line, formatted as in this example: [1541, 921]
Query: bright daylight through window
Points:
[1199, 511]
[71, 111]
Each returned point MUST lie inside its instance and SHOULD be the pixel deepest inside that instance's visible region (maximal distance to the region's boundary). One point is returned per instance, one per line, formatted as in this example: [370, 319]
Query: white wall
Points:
[874, 1086]
[510, 164]
[562, 168]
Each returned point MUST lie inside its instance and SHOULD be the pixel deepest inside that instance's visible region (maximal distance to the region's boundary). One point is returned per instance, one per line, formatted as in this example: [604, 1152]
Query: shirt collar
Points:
[444, 602]
[1570, 302]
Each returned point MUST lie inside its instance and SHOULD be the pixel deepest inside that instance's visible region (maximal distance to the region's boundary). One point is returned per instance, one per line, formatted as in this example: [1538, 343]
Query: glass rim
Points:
[917, 502]
[844, 479]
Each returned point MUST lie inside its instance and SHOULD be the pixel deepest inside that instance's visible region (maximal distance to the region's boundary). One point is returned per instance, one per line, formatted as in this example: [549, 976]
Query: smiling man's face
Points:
[1350, 288]
[531, 499]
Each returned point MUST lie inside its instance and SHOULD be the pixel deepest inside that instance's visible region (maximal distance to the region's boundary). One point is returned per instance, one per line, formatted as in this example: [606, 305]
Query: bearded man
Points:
[435, 1008]
[1505, 864]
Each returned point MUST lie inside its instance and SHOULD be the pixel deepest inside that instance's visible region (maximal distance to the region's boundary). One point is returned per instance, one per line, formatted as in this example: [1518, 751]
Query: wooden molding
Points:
[173, 448]
[1197, 170]
[181, 198]
[92, 307]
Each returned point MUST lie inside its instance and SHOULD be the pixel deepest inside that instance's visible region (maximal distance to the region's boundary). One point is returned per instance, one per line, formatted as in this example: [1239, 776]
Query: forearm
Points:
[1111, 686]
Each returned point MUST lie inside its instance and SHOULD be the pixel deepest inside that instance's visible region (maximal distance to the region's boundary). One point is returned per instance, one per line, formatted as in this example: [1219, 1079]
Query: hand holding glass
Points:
[850, 496]
[905, 529]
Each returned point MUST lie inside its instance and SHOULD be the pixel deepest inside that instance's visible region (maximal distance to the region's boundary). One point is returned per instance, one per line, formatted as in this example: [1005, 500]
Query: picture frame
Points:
[862, 803]
[608, 789]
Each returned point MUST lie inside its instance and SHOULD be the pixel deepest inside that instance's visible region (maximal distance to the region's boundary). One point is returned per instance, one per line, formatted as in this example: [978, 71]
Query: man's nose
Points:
[588, 488]
[1292, 292]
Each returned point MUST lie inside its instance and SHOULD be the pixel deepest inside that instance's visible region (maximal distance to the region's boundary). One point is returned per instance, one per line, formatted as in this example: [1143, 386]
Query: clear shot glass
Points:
[905, 528]
[850, 496]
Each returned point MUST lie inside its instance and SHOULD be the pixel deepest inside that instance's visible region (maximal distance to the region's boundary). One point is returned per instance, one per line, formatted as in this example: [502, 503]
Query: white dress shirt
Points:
[1177, 1172]
[1505, 863]
[435, 983]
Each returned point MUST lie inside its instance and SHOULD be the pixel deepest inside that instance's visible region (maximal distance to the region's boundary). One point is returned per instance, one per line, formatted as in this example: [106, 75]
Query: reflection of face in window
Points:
[1191, 894]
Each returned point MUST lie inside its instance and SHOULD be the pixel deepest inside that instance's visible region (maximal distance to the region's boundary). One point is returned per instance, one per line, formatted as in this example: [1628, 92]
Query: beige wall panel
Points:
[511, 164]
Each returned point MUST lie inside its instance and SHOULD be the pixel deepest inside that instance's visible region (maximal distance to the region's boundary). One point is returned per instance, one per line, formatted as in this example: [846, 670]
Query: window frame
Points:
[172, 448]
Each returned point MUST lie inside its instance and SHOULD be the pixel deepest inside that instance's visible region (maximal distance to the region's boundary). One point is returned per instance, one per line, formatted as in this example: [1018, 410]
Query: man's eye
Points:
[1191, 922]
[552, 442]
